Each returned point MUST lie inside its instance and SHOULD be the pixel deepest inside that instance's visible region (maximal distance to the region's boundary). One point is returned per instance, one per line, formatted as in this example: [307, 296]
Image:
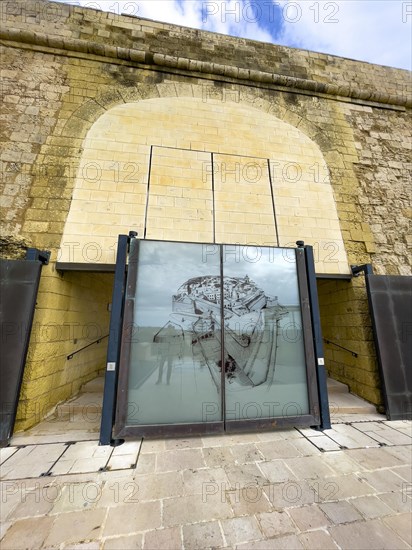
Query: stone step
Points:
[336, 387]
[93, 386]
[341, 401]
[347, 403]
[87, 405]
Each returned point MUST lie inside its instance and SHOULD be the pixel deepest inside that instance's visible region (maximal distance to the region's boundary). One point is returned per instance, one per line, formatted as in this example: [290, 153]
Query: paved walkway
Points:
[349, 487]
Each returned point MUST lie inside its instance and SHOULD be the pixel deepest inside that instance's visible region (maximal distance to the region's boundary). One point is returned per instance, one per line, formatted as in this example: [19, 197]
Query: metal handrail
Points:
[88, 345]
[341, 347]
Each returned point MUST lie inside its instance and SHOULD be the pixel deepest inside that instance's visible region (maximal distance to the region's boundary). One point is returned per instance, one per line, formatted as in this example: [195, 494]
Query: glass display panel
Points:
[175, 348]
[265, 367]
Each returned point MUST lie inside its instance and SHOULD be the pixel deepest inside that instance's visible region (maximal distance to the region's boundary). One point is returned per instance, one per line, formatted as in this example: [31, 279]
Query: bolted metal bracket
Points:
[358, 269]
[34, 254]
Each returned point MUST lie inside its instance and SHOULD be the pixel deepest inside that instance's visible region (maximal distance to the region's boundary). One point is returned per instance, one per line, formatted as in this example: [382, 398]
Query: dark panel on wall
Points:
[19, 283]
[390, 299]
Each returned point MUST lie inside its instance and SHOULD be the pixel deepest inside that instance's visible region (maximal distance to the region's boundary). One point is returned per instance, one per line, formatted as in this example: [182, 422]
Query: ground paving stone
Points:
[401, 525]
[132, 517]
[93, 545]
[146, 463]
[282, 449]
[246, 453]
[230, 439]
[6, 453]
[4, 525]
[384, 433]
[73, 496]
[127, 448]
[189, 443]
[76, 527]
[11, 494]
[290, 494]
[324, 443]
[275, 523]
[31, 505]
[238, 530]
[168, 539]
[158, 486]
[401, 425]
[217, 457]
[317, 540]
[280, 435]
[399, 501]
[401, 452]
[277, 471]
[279, 543]
[122, 462]
[341, 463]
[309, 467]
[119, 490]
[349, 485]
[194, 509]
[349, 437]
[153, 446]
[243, 475]
[202, 535]
[383, 481]
[306, 447]
[404, 472]
[308, 517]
[366, 535]
[123, 543]
[200, 481]
[372, 459]
[340, 512]
[180, 459]
[27, 533]
[248, 501]
[235, 496]
[371, 507]
[31, 461]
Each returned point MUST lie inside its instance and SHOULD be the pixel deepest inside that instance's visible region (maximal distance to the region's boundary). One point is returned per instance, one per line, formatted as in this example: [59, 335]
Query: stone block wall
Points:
[78, 86]
[346, 321]
[71, 313]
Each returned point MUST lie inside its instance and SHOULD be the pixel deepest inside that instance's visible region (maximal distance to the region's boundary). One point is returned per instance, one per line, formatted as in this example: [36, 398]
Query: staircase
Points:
[88, 400]
[75, 420]
[341, 402]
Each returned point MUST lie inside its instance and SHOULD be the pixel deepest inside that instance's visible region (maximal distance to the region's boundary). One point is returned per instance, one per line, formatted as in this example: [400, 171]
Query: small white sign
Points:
[111, 366]
[321, 361]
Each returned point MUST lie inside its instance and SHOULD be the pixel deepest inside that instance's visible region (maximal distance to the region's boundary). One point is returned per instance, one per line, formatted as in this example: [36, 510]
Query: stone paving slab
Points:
[286, 489]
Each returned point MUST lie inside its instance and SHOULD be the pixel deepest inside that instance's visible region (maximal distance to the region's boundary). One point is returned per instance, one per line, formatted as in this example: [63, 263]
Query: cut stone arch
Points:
[181, 168]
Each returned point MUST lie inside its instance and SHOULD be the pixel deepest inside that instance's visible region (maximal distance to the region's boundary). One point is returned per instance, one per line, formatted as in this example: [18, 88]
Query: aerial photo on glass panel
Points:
[176, 348]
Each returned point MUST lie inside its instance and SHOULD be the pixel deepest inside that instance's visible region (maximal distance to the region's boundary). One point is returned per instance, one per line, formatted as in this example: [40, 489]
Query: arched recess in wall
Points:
[185, 169]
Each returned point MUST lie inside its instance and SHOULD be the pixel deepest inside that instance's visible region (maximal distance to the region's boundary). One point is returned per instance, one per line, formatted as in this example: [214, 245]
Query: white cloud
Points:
[378, 31]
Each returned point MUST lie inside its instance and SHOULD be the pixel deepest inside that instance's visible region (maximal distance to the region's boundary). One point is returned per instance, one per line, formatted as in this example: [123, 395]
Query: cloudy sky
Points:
[378, 31]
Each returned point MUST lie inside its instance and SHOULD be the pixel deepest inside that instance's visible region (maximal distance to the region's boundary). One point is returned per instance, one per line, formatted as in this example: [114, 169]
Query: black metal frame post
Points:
[12, 385]
[317, 337]
[113, 348]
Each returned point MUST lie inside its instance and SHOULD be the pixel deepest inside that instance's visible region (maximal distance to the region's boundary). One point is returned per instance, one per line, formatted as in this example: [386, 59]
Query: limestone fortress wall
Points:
[114, 123]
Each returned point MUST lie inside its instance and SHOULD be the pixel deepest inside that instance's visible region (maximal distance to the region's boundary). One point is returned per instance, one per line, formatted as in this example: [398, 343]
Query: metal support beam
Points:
[317, 337]
[113, 349]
